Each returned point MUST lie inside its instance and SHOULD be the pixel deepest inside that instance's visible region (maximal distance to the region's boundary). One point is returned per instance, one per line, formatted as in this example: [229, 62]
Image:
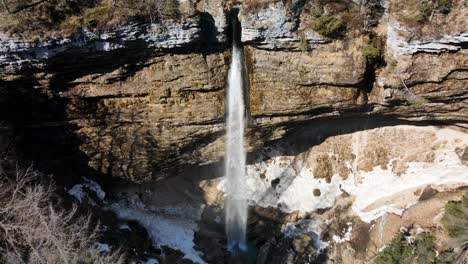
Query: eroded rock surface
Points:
[368, 189]
[145, 99]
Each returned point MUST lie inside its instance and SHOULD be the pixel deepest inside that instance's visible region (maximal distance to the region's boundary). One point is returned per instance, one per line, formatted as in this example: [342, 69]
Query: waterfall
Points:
[236, 204]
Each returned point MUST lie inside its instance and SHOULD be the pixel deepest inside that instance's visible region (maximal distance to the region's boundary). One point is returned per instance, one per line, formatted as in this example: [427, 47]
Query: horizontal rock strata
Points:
[144, 98]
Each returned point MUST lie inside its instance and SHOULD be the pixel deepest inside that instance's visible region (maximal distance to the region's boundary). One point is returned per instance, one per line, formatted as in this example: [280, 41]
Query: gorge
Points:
[309, 131]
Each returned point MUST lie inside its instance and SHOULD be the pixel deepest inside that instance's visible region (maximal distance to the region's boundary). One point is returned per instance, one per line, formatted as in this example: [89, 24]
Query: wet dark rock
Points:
[317, 192]
[427, 193]
[275, 182]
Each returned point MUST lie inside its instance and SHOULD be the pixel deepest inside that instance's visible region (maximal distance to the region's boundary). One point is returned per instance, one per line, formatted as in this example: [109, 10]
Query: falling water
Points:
[236, 204]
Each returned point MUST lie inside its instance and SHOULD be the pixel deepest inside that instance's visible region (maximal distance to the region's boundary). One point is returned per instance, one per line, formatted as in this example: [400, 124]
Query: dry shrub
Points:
[428, 18]
[49, 17]
[355, 23]
[33, 230]
[20, 16]
[345, 17]
[255, 5]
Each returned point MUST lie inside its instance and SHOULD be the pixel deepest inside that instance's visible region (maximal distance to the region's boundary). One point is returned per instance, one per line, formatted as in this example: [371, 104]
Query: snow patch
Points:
[382, 191]
[166, 230]
[398, 45]
[376, 192]
[152, 261]
[294, 191]
[347, 232]
[78, 192]
[125, 227]
[102, 248]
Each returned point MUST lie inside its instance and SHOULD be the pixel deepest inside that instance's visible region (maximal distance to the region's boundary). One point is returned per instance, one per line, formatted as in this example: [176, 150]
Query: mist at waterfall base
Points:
[235, 206]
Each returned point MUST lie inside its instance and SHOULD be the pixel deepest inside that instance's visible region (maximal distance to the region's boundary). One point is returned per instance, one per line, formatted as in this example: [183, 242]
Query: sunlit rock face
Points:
[385, 169]
[346, 188]
[143, 101]
[342, 152]
[360, 185]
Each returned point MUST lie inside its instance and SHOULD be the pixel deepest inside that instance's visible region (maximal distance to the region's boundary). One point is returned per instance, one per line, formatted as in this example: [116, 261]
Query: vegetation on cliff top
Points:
[43, 17]
[334, 19]
[329, 26]
[428, 19]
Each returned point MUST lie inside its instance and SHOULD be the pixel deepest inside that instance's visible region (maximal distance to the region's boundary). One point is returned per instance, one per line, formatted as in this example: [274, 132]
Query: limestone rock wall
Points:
[142, 100]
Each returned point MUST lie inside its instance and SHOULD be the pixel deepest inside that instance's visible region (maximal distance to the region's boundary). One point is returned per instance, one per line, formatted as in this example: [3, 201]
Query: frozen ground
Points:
[172, 231]
[376, 192]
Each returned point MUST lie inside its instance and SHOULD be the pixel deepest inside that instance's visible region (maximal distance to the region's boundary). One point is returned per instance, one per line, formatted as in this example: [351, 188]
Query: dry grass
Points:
[33, 230]
[349, 19]
[430, 19]
[52, 17]
[255, 5]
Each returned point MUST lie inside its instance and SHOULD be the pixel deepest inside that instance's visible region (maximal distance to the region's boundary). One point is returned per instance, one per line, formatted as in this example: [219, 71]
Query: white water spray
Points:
[236, 205]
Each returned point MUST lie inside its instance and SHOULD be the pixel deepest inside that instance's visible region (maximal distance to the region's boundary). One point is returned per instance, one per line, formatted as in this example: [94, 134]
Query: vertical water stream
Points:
[236, 204]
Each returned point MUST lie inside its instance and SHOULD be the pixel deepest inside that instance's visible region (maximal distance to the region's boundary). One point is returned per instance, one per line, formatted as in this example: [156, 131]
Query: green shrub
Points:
[422, 251]
[316, 9]
[303, 45]
[455, 219]
[444, 6]
[91, 16]
[446, 257]
[398, 251]
[373, 50]
[329, 26]
[425, 244]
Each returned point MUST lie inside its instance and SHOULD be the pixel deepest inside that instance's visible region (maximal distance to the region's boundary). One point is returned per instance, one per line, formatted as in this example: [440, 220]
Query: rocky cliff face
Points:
[340, 128]
[143, 99]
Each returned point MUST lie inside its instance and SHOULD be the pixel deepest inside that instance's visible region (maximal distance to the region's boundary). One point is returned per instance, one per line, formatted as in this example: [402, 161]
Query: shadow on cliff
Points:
[39, 135]
[75, 63]
[298, 137]
[302, 136]
[47, 124]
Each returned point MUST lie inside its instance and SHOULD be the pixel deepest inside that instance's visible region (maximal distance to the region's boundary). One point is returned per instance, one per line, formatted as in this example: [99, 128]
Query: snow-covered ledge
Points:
[399, 46]
[291, 183]
[15, 53]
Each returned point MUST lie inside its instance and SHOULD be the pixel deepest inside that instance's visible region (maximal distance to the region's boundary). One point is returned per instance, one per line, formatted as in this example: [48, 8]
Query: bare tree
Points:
[32, 230]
